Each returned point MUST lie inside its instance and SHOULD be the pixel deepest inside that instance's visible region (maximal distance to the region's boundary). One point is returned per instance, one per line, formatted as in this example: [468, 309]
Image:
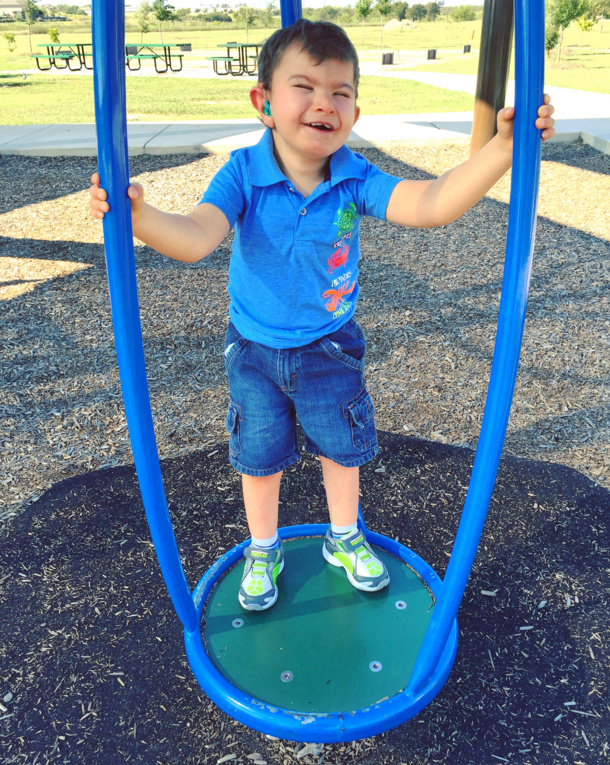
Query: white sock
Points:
[341, 531]
[268, 543]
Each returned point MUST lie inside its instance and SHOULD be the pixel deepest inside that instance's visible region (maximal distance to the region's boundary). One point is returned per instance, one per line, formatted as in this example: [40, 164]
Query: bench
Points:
[66, 57]
[172, 57]
[139, 57]
[228, 62]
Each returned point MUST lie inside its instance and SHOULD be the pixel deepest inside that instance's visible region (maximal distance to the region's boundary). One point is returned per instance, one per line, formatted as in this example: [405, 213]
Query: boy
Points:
[293, 348]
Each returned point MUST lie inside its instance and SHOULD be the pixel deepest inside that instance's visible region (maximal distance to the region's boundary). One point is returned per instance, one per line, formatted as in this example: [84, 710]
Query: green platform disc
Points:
[324, 646]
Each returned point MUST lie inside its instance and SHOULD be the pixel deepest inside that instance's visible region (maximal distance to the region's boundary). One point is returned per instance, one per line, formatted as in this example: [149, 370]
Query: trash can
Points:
[387, 58]
[185, 46]
[466, 48]
[431, 53]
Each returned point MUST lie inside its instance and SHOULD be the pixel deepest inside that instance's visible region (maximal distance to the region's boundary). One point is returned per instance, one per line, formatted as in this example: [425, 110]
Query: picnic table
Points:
[244, 63]
[73, 56]
[79, 55]
[163, 55]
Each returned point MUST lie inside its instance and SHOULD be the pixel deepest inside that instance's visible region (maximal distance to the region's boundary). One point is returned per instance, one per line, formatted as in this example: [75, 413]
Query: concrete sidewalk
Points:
[579, 114]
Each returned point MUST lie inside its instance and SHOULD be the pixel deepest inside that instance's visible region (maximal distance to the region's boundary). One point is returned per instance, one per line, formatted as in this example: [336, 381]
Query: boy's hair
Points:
[321, 40]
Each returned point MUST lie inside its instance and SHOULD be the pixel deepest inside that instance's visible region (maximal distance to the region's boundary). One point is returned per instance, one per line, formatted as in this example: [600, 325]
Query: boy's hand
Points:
[545, 121]
[99, 206]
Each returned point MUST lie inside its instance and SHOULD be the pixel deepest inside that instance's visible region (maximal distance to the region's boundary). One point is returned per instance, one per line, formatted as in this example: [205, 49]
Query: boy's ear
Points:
[258, 99]
[357, 114]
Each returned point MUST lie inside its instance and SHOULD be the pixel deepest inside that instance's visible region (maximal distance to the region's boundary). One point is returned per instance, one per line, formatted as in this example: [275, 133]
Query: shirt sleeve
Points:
[376, 190]
[226, 190]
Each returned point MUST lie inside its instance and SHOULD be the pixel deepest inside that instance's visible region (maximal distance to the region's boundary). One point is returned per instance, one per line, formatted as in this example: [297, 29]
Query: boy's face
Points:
[313, 105]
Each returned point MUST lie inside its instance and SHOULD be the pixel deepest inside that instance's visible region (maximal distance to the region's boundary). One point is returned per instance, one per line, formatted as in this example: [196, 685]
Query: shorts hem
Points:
[262, 472]
[355, 462]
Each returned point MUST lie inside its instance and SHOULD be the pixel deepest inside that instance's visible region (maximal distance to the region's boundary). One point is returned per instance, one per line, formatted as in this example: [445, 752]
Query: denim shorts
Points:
[320, 384]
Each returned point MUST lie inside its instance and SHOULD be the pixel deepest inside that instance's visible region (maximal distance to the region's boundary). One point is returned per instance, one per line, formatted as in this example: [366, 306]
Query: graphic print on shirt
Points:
[338, 258]
[335, 298]
[346, 219]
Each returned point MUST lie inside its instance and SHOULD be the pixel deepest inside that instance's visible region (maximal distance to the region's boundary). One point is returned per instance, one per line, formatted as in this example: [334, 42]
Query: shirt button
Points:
[304, 211]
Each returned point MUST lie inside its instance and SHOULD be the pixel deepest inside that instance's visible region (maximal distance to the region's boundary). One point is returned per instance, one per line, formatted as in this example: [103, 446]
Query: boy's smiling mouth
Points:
[320, 126]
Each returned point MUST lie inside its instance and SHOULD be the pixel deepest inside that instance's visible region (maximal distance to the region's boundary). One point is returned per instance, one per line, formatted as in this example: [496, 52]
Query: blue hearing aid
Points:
[267, 109]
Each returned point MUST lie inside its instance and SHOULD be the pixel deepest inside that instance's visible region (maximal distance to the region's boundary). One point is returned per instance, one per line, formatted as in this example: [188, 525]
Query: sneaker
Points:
[364, 569]
[258, 591]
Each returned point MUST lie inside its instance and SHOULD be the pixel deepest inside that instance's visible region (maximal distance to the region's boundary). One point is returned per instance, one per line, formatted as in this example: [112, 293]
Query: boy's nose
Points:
[323, 102]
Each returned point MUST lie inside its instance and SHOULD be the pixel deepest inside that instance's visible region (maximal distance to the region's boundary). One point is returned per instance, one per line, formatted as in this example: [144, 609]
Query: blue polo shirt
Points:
[293, 276]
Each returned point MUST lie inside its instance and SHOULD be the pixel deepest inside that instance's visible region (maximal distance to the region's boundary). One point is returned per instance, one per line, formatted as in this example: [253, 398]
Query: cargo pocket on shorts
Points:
[233, 423]
[361, 413]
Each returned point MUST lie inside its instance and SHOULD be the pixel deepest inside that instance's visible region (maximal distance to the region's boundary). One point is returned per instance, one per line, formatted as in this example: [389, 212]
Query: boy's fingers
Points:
[95, 192]
[546, 110]
[135, 191]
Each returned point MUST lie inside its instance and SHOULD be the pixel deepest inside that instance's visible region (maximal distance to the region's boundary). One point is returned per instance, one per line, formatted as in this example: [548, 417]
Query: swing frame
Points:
[436, 656]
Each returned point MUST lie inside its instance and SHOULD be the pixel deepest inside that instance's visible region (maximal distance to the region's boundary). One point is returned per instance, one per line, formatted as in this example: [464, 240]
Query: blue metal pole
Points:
[290, 11]
[529, 71]
[108, 30]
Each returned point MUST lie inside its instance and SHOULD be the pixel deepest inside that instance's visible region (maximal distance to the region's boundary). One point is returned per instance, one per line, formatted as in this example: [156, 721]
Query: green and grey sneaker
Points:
[364, 569]
[258, 591]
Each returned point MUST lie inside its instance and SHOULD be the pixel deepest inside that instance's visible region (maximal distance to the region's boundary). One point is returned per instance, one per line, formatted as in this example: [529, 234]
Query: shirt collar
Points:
[263, 169]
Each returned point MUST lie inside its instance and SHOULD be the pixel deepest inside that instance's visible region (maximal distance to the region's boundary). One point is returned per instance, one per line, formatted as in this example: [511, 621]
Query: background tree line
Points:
[561, 13]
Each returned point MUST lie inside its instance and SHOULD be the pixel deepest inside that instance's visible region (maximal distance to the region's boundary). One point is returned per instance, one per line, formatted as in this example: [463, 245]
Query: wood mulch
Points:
[428, 308]
[81, 597]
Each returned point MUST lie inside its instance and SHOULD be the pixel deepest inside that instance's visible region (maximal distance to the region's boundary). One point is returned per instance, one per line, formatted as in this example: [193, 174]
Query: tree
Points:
[433, 10]
[162, 12]
[399, 10]
[31, 13]
[601, 8]
[384, 7]
[143, 18]
[247, 16]
[463, 13]
[10, 41]
[585, 23]
[182, 14]
[267, 15]
[363, 9]
[327, 13]
[418, 12]
[53, 34]
[551, 38]
[560, 13]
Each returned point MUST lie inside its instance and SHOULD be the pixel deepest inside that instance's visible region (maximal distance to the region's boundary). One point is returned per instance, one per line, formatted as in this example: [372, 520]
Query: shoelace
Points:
[258, 569]
[362, 553]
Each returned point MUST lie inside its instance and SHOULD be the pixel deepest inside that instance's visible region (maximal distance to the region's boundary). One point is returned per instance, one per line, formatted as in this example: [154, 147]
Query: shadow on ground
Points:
[93, 666]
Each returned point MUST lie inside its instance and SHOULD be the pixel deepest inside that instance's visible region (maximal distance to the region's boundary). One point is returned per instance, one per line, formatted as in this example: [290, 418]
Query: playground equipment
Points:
[492, 78]
[402, 675]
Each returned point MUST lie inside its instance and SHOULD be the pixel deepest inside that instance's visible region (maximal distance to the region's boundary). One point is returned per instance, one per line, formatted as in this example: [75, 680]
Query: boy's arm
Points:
[424, 204]
[187, 238]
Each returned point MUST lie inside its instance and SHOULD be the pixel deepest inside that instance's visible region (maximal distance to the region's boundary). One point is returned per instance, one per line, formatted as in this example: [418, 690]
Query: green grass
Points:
[70, 99]
[429, 35]
[43, 98]
[578, 68]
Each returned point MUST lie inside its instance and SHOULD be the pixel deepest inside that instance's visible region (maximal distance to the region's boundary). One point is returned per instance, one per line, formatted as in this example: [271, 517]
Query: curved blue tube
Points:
[529, 71]
[436, 656]
[290, 11]
[108, 29]
[320, 728]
